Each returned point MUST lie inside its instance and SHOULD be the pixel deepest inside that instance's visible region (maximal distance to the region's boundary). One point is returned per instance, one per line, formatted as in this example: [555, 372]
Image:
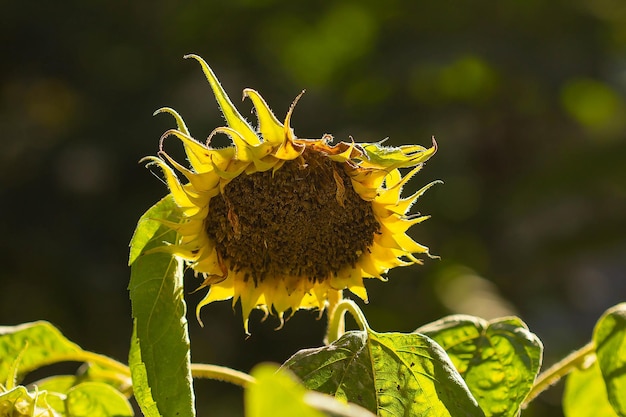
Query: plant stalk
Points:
[221, 373]
[336, 323]
[557, 371]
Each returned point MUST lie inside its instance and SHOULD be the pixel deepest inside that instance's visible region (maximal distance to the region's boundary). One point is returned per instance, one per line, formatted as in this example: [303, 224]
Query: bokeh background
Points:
[527, 100]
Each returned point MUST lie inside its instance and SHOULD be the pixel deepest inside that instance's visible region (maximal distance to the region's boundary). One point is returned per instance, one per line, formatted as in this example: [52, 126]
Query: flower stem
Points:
[221, 373]
[557, 371]
[336, 323]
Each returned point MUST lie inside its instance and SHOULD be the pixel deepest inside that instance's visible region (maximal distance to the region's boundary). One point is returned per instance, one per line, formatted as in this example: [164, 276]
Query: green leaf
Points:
[276, 394]
[160, 349]
[39, 344]
[149, 231]
[57, 383]
[96, 399]
[323, 369]
[391, 374]
[141, 387]
[57, 386]
[498, 359]
[585, 394]
[610, 339]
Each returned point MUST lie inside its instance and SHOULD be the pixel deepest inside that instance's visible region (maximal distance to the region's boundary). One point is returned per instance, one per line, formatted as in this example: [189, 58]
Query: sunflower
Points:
[281, 223]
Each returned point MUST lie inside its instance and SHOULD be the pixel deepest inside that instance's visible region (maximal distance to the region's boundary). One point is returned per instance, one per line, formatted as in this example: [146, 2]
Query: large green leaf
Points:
[585, 394]
[391, 374]
[29, 346]
[610, 339]
[96, 399]
[498, 359]
[160, 347]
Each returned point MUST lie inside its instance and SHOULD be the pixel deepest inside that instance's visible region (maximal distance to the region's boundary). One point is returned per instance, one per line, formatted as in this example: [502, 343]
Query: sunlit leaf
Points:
[498, 359]
[35, 345]
[391, 374]
[610, 339]
[96, 399]
[58, 385]
[324, 369]
[160, 347]
[276, 394]
[149, 229]
[141, 387]
[585, 394]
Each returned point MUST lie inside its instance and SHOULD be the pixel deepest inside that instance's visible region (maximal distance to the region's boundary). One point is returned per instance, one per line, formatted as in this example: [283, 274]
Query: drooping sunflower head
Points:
[282, 223]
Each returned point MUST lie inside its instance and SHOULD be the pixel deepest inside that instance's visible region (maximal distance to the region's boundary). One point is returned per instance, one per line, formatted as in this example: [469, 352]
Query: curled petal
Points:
[234, 119]
[269, 126]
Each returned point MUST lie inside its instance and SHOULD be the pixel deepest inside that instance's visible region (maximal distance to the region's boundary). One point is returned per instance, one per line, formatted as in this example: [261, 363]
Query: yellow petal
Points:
[349, 276]
[369, 267]
[206, 182]
[183, 197]
[271, 129]
[359, 291]
[391, 193]
[217, 292]
[210, 264]
[289, 150]
[180, 123]
[234, 169]
[343, 156]
[248, 294]
[397, 224]
[234, 119]
[197, 153]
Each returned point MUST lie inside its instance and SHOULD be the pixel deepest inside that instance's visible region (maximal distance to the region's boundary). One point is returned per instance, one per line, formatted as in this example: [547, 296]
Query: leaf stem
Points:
[336, 323]
[105, 361]
[121, 372]
[557, 371]
[116, 371]
[221, 373]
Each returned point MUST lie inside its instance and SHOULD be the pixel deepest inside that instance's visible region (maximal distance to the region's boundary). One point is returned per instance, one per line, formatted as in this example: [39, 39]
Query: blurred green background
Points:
[527, 100]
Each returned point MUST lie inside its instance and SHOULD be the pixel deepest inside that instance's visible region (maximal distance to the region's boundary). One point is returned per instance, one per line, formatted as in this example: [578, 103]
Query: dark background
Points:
[526, 100]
